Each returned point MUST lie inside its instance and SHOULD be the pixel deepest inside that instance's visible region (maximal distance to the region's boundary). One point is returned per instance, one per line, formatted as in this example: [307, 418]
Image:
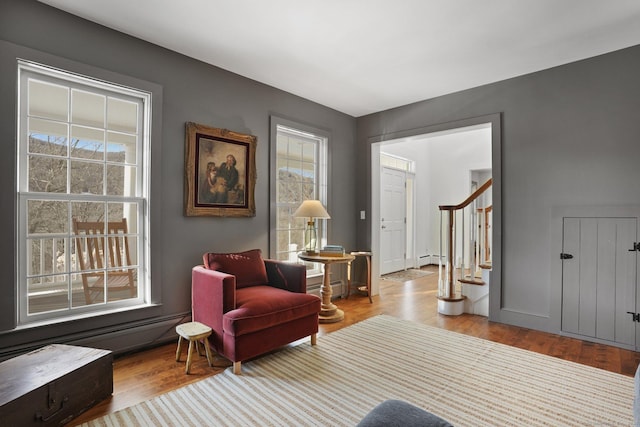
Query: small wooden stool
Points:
[193, 331]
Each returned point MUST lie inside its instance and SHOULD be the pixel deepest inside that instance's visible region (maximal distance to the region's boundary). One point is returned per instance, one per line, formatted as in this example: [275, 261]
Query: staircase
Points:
[465, 255]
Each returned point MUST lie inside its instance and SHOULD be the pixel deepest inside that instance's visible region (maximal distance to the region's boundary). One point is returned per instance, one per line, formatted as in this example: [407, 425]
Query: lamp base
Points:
[310, 238]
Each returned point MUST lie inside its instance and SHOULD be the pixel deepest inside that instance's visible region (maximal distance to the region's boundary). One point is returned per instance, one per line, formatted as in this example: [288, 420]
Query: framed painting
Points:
[220, 172]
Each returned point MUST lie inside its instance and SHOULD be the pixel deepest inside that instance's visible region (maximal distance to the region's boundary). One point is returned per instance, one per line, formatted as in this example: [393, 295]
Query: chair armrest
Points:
[286, 275]
[213, 293]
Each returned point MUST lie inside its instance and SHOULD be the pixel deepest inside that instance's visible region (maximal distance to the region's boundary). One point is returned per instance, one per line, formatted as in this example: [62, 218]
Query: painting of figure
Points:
[223, 171]
[222, 177]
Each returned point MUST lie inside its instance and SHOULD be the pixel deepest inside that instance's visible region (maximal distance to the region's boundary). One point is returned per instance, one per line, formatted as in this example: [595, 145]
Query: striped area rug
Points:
[466, 380]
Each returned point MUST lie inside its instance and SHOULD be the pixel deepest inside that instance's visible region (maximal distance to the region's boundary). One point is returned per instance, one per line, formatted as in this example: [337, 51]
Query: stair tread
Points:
[472, 281]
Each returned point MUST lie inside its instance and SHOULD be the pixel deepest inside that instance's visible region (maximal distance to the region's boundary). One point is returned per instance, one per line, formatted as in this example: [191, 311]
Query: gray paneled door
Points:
[599, 278]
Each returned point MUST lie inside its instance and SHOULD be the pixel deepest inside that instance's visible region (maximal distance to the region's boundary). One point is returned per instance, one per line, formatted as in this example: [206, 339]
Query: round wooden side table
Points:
[329, 313]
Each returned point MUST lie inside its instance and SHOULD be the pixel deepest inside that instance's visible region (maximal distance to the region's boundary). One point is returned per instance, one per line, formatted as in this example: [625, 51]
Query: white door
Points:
[392, 220]
[599, 278]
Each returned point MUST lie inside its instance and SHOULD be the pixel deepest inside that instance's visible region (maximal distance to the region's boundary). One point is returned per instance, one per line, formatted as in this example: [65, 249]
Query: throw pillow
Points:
[248, 266]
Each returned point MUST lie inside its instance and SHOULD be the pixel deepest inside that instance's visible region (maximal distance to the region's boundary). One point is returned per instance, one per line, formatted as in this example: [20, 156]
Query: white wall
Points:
[443, 164]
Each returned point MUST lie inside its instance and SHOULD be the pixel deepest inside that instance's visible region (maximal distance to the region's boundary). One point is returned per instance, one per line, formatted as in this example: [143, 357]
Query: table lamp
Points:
[311, 209]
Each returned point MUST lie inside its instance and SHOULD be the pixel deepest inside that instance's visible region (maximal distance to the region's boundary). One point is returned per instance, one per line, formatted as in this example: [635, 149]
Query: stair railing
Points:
[455, 267]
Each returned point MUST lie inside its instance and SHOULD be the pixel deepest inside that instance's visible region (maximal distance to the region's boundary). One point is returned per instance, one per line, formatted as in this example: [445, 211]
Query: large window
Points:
[83, 151]
[301, 173]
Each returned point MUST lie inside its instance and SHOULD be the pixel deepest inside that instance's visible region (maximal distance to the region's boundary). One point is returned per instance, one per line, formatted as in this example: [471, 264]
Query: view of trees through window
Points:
[47, 174]
[293, 189]
[54, 250]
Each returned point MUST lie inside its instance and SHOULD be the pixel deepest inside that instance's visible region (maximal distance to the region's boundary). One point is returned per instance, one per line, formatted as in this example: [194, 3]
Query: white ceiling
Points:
[364, 56]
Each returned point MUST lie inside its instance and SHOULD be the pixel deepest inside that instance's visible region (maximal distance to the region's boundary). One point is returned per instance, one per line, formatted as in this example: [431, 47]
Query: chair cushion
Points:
[248, 266]
[260, 307]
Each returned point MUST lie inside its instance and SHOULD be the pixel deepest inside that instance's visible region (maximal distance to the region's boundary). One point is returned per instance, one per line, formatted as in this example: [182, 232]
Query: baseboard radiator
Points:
[119, 339]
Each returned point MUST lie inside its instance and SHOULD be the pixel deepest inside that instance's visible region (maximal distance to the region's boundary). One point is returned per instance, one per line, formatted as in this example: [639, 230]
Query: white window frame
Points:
[140, 197]
[320, 139]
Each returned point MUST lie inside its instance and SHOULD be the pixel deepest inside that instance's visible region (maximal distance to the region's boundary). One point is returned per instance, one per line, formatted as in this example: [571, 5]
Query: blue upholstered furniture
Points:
[397, 413]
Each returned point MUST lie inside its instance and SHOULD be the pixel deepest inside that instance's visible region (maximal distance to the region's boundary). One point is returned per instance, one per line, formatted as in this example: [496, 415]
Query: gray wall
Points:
[192, 91]
[570, 137]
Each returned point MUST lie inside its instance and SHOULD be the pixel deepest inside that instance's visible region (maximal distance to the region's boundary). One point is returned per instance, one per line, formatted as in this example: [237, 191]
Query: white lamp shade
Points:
[311, 209]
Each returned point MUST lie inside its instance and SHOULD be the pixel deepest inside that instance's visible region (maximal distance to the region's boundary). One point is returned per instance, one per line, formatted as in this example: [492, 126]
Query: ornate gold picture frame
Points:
[220, 172]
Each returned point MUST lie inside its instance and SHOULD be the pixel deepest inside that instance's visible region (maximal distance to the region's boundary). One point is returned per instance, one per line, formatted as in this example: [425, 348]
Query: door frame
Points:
[495, 121]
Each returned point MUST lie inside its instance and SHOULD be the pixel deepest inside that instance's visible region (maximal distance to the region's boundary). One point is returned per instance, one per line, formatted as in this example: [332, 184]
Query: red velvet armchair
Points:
[253, 305]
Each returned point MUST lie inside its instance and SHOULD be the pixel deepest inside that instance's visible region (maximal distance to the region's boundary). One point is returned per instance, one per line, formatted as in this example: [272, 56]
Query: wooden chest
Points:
[52, 385]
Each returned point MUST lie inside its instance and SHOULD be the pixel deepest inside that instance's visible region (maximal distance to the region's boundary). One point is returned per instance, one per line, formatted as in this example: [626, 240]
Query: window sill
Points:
[82, 316]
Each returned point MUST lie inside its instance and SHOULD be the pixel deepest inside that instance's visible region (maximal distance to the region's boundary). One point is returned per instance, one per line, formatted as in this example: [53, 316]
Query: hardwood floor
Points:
[142, 375]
